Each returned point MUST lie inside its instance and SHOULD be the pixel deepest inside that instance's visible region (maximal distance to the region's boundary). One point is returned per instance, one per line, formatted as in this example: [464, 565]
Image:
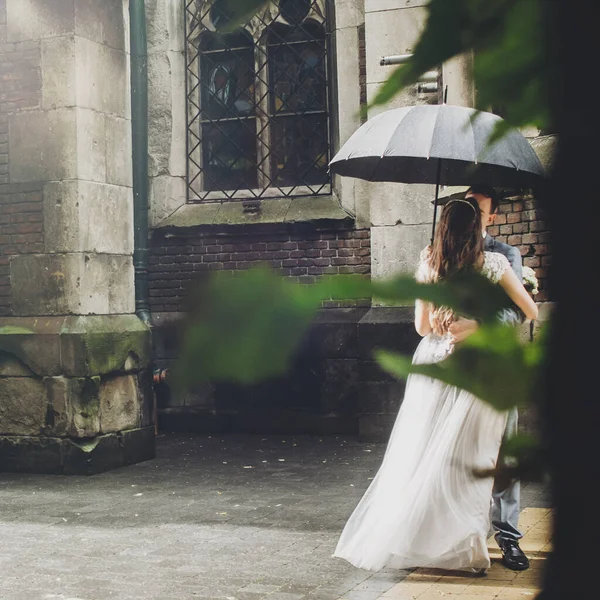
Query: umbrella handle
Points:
[437, 194]
[437, 180]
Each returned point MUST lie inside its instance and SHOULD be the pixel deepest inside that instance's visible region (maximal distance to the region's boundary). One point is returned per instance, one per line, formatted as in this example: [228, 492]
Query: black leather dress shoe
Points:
[512, 556]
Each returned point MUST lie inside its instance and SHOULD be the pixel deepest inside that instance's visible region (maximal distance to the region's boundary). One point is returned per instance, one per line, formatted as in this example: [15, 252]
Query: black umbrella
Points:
[438, 144]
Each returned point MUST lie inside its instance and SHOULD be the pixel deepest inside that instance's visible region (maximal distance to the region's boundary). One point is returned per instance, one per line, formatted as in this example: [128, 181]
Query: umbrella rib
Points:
[473, 134]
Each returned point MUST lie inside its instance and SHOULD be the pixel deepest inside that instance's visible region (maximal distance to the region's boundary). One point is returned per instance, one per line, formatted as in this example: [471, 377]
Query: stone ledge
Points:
[65, 457]
[77, 346]
[314, 210]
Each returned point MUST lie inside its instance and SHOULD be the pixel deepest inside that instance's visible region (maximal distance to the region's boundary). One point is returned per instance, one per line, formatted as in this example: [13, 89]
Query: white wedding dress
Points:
[425, 508]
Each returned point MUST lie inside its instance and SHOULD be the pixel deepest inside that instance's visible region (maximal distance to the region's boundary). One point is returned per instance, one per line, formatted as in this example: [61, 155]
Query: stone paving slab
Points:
[499, 583]
[211, 518]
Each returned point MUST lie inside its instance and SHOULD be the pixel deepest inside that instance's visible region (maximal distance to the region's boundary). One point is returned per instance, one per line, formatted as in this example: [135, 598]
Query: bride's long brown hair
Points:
[457, 247]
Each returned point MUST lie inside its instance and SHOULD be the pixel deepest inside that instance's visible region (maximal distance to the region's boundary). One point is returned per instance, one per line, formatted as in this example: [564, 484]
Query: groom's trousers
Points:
[506, 503]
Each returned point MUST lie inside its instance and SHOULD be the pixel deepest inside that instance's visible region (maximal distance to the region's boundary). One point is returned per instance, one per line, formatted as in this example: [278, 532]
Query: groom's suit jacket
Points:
[514, 258]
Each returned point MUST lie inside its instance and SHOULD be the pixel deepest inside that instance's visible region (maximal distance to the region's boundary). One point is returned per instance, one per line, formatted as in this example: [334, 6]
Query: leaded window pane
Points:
[297, 77]
[229, 155]
[227, 82]
[300, 151]
[258, 118]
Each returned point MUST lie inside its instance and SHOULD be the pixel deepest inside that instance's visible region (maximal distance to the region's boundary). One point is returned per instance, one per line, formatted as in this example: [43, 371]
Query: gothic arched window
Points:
[258, 101]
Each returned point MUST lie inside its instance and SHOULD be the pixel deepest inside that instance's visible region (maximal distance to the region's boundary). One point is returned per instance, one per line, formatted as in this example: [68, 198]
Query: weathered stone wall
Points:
[21, 208]
[75, 393]
[400, 215]
[65, 133]
[167, 107]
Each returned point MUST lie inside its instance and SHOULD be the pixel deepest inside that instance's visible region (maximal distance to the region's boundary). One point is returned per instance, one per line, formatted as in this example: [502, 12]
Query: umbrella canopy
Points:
[438, 144]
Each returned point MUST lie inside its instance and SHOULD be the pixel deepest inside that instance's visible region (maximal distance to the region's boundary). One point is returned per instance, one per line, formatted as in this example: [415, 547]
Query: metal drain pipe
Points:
[139, 129]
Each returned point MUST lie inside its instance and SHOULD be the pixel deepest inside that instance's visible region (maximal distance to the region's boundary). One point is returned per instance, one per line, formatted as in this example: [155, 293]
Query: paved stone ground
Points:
[221, 517]
[499, 583]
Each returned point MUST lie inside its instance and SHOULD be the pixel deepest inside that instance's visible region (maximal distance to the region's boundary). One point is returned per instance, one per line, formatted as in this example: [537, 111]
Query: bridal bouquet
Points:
[530, 281]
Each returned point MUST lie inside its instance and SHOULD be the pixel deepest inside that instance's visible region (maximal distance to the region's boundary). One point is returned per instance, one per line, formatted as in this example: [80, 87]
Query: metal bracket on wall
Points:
[427, 83]
[252, 206]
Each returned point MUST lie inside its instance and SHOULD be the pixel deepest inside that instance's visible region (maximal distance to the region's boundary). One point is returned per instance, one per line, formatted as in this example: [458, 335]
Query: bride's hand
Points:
[461, 329]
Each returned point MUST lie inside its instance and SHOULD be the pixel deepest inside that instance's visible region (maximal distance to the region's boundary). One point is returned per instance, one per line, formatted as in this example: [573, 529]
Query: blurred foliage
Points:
[521, 457]
[246, 327]
[492, 363]
[229, 14]
[511, 68]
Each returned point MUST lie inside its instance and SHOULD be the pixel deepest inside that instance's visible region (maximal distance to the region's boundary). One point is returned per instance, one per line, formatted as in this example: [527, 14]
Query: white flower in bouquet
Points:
[530, 281]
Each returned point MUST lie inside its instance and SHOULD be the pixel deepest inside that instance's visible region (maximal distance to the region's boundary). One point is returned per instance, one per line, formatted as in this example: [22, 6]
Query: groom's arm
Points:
[515, 260]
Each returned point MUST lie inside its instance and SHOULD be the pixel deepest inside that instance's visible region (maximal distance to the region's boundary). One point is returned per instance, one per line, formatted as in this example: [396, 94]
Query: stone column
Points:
[457, 74]
[75, 393]
[348, 47]
[400, 217]
[401, 214]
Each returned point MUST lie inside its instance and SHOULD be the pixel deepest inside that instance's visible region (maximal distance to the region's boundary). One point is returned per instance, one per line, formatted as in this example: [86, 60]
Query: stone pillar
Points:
[457, 74]
[401, 214]
[75, 392]
[167, 107]
[350, 84]
[400, 219]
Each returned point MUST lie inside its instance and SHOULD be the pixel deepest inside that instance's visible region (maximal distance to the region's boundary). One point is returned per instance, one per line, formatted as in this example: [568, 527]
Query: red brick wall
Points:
[21, 230]
[177, 261]
[362, 68]
[20, 73]
[521, 223]
[21, 208]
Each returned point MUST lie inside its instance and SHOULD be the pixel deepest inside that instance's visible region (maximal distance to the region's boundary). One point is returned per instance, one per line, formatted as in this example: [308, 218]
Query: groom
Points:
[505, 502]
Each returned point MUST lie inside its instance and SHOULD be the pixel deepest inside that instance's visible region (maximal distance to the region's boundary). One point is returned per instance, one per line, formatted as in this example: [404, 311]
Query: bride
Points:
[425, 508]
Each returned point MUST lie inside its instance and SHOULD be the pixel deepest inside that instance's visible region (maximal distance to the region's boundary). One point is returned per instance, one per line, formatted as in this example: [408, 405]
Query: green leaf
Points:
[519, 446]
[512, 67]
[230, 14]
[246, 328]
[442, 38]
[492, 364]
[469, 294]
[521, 457]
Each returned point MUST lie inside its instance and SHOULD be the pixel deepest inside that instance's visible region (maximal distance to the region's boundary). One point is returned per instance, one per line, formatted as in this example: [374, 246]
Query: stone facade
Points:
[370, 228]
[75, 393]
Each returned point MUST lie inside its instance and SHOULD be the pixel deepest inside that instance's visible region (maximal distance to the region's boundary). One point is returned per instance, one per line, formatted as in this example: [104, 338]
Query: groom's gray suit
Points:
[506, 503]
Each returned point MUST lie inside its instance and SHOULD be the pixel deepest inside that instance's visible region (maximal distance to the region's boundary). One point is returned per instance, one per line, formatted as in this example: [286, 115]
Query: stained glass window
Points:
[258, 101]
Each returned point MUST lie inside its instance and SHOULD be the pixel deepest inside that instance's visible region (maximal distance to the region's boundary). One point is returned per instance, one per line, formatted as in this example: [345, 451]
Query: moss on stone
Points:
[11, 330]
[101, 345]
[108, 352]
